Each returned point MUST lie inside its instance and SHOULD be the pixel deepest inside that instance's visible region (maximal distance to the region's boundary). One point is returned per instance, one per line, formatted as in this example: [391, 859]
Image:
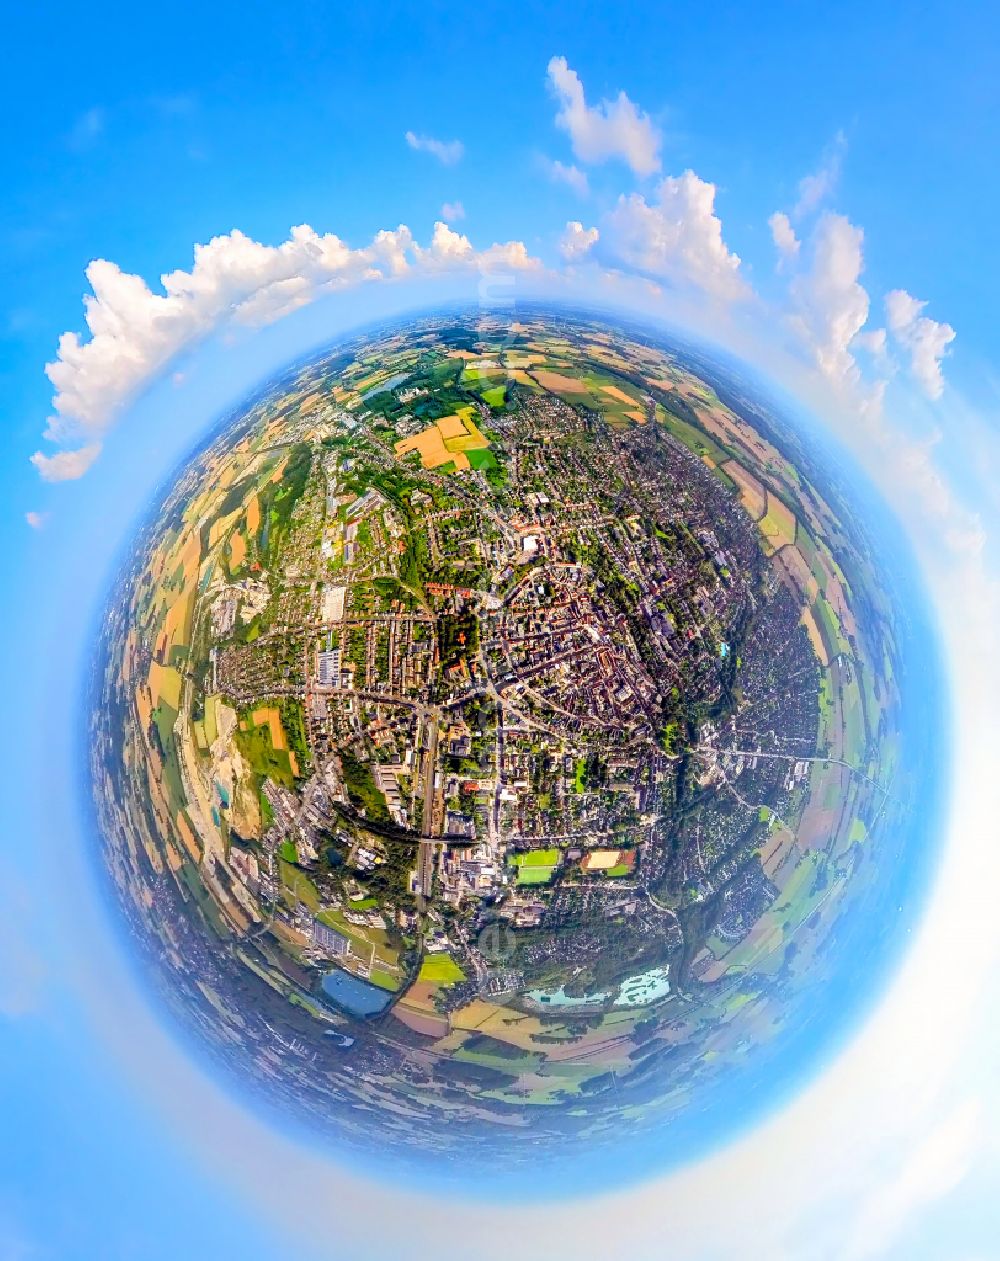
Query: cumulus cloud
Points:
[830, 306]
[66, 466]
[677, 237]
[873, 340]
[612, 129]
[925, 339]
[36, 519]
[783, 235]
[816, 187]
[452, 211]
[447, 151]
[135, 333]
[576, 240]
[570, 175]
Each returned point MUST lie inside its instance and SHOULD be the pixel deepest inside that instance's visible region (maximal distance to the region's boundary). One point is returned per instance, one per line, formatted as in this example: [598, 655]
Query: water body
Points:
[559, 998]
[391, 384]
[647, 987]
[359, 997]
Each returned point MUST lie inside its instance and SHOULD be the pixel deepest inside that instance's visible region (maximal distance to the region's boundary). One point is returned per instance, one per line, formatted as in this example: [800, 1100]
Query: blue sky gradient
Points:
[133, 139]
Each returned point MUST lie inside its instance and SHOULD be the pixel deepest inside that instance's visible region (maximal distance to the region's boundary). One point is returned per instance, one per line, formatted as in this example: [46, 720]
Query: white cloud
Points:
[452, 211]
[36, 519]
[136, 333]
[815, 188]
[926, 340]
[66, 466]
[678, 237]
[447, 151]
[783, 235]
[570, 175]
[830, 307]
[576, 240]
[873, 340]
[612, 129]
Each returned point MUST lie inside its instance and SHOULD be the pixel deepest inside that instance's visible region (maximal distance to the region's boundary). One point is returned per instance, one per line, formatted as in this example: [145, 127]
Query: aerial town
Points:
[473, 719]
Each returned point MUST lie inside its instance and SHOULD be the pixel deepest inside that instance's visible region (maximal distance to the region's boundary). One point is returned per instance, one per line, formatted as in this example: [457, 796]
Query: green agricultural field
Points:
[495, 396]
[484, 459]
[441, 969]
[264, 758]
[696, 440]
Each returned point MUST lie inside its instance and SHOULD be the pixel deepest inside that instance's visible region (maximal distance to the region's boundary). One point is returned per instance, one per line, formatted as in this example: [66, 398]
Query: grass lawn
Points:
[538, 858]
[299, 884]
[534, 875]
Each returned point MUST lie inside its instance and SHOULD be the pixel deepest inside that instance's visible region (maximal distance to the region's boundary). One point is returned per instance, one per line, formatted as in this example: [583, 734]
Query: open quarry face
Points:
[493, 721]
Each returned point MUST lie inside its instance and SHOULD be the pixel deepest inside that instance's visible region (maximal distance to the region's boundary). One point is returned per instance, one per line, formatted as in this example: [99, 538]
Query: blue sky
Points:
[872, 129]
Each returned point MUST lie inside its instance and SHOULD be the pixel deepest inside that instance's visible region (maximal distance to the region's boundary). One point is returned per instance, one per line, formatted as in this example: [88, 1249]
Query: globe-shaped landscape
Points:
[499, 739]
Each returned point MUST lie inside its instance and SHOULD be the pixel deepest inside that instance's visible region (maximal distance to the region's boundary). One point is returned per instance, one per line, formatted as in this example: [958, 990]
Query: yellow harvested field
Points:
[186, 833]
[752, 494]
[237, 550]
[270, 716]
[191, 557]
[451, 427]
[177, 623]
[143, 706]
[153, 854]
[253, 514]
[165, 684]
[211, 720]
[499, 1022]
[778, 524]
[221, 527]
[558, 383]
[428, 1023]
[471, 440]
[638, 417]
[612, 391]
[815, 638]
[430, 446]
[444, 441]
